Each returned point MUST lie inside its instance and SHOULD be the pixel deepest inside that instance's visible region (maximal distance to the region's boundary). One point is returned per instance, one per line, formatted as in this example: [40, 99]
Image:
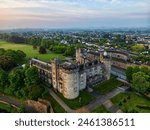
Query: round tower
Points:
[71, 83]
[107, 65]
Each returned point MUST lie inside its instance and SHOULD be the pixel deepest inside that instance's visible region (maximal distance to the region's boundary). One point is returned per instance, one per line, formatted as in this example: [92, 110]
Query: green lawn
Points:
[107, 86]
[83, 99]
[100, 109]
[130, 103]
[30, 52]
[56, 107]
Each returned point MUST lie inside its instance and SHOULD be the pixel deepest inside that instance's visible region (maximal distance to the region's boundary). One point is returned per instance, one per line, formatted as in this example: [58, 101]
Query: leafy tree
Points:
[138, 48]
[20, 54]
[145, 70]
[10, 58]
[3, 79]
[31, 76]
[2, 51]
[35, 91]
[129, 73]
[42, 50]
[70, 51]
[45, 43]
[140, 83]
[136, 69]
[6, 62]
[16, 79]
[24, 92]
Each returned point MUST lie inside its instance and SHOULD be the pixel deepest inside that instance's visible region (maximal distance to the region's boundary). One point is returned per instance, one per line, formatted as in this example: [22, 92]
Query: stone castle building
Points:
[70, 78]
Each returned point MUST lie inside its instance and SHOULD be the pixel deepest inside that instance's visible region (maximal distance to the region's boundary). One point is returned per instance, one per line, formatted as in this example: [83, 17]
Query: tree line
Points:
[41, 43]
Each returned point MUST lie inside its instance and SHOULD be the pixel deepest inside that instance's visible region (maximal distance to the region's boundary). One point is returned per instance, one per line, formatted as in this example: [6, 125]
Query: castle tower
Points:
[55, 72]
[71, 82]
[78, 57]
[107, 65]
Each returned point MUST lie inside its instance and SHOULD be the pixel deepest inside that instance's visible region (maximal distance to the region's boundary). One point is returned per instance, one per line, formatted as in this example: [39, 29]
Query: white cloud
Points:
[70, 11]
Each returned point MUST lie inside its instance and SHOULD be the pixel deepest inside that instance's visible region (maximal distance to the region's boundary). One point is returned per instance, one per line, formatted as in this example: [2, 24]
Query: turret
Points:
[55, 73]
[78, 55]
[107, 65]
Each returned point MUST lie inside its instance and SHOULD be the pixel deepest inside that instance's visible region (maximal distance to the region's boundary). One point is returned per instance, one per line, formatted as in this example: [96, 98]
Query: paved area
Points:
[103, 98]
[61, 102]
[10, 100]
[111, 107]
[82, 110]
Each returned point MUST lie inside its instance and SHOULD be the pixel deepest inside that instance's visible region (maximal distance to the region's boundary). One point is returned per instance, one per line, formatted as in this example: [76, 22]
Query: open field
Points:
[30, 52]
[131, 102]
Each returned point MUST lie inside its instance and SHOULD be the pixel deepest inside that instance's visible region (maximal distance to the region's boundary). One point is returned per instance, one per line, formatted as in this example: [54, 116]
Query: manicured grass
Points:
[132, 103]
[30, 52]
[100, 109]
[56, 107]
[83, 99]
[107, 86]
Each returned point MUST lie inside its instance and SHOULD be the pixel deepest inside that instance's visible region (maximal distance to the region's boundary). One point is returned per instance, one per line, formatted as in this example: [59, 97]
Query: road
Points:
[10, 100]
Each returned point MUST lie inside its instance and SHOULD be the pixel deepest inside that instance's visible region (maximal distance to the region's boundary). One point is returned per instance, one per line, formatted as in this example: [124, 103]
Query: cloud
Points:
[73, 12]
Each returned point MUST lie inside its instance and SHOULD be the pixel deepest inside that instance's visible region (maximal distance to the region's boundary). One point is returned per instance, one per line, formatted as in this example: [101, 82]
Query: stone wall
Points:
[40, 106]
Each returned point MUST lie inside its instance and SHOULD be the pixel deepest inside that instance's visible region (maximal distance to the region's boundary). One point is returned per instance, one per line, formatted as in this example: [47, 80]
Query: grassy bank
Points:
[132, 103]
[107, 86]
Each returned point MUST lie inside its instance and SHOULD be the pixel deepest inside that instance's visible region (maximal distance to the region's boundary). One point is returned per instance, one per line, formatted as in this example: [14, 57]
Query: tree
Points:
[35, 91]
[45, 43]
[3, 79]
[10, 58]
[129, 73]
[138, 48]
[136, 69]
[2, 51]
[20, 54]
[42, 50]
[16, 79]
[31, 76]
[145, 70]
[6, 62]
[140, 83]
[70, 51]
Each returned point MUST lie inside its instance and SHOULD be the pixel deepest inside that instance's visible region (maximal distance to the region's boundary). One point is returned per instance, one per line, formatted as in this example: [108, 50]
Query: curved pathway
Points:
[60, 101]
[10, 100]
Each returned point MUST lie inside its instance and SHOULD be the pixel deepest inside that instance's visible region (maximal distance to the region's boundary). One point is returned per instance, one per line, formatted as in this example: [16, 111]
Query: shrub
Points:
[120, 103]
[124, 100]
[128, 97]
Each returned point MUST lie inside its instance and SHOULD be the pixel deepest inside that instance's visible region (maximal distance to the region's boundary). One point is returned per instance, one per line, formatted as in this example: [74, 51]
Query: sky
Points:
[74, 13]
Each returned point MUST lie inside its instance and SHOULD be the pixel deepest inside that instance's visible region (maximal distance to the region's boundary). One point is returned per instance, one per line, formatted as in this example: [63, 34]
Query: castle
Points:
[70, 78]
